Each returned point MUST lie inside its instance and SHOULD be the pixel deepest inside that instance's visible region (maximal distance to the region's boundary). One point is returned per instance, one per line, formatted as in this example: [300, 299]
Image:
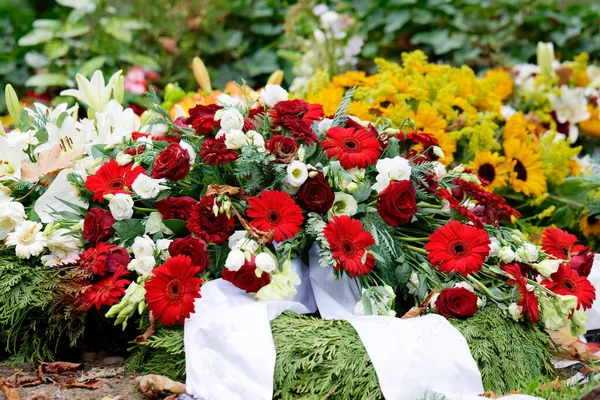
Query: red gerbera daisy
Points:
[171, 292]
[458, 248]
[112, 178]
[214, 151]
[352, 147]
[558, 243]
[106, 292]
[566, 281]
[529, 301]
[349, 241]
[276, 211]
[208, 226]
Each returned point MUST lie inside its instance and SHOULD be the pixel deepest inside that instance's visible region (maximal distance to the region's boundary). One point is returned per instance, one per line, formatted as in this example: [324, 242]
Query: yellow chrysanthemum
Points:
[526, 172]
[353, 78]
[589, 225]
[501, 81]
[490, 167]
[330, 97]
[428, 120]
[448, 146]
[556, 157]
[360, 110]
[592, 124]
[516, 128]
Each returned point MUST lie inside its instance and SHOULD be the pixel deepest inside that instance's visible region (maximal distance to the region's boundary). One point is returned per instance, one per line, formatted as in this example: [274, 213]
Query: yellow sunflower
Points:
[330, 97]
[490, 167]
[526, 172]
[428, 120]
[592, 124]
[516, 128]
[589, 225]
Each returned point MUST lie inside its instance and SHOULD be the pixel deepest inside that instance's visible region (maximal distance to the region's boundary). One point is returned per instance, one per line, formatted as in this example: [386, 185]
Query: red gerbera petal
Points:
[529, 301]
[349, 241]
[111, 178]
[565, 281]
[352, 147]
[458, 248]
[558, 243]
[276, 211]
[106, 292]
[171, 292]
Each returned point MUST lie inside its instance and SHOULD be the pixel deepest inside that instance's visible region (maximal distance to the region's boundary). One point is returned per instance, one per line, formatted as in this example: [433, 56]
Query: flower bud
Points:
[391, 131]
[352, 187]
[545, 57]
[119, 89]
[276, 78]
[438, 151]
[201, 75]
[215, 210]
[12, 103]
[515, 311]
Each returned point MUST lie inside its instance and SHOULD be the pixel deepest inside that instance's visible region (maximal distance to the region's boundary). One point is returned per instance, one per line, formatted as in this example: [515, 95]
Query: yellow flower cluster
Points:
[452, 103]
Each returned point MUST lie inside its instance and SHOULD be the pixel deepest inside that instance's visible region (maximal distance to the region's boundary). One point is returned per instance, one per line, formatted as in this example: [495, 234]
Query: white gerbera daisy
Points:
[28, 239]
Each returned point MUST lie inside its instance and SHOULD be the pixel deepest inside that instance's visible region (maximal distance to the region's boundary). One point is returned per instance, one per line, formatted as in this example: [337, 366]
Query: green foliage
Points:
[509, 355]
[257, 170]
[384, 247]
[341, 114]
[33, 314]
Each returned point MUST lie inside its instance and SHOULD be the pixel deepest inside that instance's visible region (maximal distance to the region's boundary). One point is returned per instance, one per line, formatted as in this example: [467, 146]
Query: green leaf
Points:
[88, 68]
[73, 31]
[56, 48]
[47, 80]
[572, 187]
[140, 59]
[129, 229]
[562, 217]
[396, 20]
[98, 151]
[262, 62]
[393, 148]
[176, 225]
[402, 273]
[115, 28]
[36, 36]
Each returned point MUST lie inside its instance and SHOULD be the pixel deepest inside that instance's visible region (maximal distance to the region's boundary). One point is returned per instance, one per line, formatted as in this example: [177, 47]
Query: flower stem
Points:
[144, 209]
[484, 289]
[417, 249]
[566, 201]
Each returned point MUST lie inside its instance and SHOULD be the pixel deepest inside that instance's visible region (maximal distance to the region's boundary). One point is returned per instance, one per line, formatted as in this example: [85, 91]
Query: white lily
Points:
[49, 114]
[10, 158]
[93, 92]
[70, 136]
[60, 188]
[115, 124]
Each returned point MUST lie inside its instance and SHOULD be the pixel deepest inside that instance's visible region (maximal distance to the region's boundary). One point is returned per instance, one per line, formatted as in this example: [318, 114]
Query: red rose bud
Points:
[117, 257]
[245, 278]
[202, 118]
[194, 248]
[315, 194]
[172, 163]
[582, 259]
[97, 226]
[456, 303]
[284, 148]
[176, 207]
[397, 203]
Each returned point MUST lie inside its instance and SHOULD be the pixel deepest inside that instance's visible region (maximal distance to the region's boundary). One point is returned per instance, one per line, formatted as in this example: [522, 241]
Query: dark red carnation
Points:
[582, 259]
[97, 226]
[106, 292]
[397, 203]
[297, 116]
[315, 194]
[456, 303]
[214, 151]
[193, 247]
[172, 163]
[176, 207]
[202, 118]
[208, 226]
[93, 260]
[245, 278]
[284, 148]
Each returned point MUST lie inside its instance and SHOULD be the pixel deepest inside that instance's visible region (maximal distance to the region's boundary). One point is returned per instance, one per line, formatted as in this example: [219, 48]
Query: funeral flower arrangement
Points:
[141, 210]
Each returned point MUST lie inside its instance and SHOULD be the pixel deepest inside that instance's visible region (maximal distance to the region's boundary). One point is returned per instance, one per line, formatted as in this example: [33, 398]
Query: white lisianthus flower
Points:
[265, 262]
[61, 240]
[123, 158]
[413, 284]
[273, 94]
[255, 139]
[28, 239]
[230, 119]
[391, 169]
[282, 286]
[154, 224]
[465, 285]
[142, 265]
[567, 303]
[579, 322]
[235, 238]
[192, 153]
[506, 254]
[494, 247]
[527, 253]
[439, 170]
[163, 244]
[146, 187]
[143, 246]
[235, 139]
[344, 204]
[235, 260]
[320, 9]
[12, 213]
[515, 312]
[325, 125]
[550, 317]
[121, 206]
[547, 267]
[297, 174]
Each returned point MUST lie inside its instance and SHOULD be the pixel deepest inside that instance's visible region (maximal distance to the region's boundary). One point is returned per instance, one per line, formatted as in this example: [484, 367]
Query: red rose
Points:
[176, 207]
[97, 226]
[315, 194]
[214, 151]
[172, 163]
[284, 148]
[116, 257]
[397, 203]
[582, 259]
[202, 118]
[456, 303]
[297, 116]
[204, 223]
[93, 260]
[194, 248]
[245, 278]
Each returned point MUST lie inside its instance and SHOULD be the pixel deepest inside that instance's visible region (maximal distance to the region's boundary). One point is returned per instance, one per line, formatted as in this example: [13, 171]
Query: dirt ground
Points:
[118, 385]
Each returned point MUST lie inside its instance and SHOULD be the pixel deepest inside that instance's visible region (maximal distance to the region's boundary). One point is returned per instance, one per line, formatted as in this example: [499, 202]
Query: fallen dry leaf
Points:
[573, 348]
[153, 385]
[594, 394]
[89, 384]
[589, 369]
[59, 367]
[416, 311]
[9, 392]
[28, 381]
[231, 191]
[149, 332]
